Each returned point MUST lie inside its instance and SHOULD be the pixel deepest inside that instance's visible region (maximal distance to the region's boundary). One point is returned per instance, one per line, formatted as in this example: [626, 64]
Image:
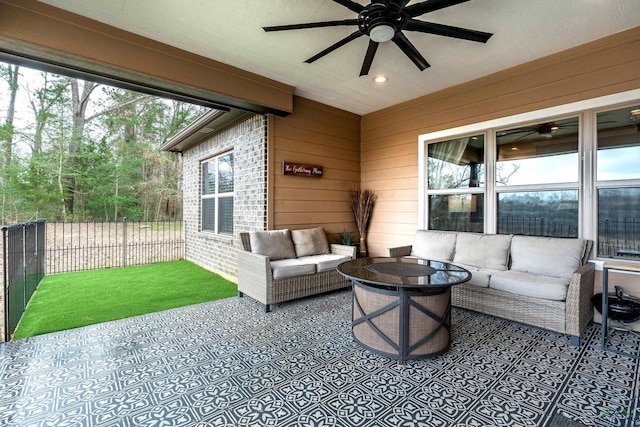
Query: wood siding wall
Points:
[389, 156]
[315, 134]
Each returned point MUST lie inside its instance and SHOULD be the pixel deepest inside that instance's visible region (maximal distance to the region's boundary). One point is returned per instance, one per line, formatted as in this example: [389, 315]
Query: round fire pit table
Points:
[402, 306]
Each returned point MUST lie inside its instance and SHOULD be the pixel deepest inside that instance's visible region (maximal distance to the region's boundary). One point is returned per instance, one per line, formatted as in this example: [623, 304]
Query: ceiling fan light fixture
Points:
[387, 20]
[382, 33]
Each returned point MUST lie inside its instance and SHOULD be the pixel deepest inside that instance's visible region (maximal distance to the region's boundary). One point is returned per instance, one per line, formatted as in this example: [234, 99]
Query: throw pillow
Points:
[483, 250]
[276, 244]
[434, 245]
[310, 241]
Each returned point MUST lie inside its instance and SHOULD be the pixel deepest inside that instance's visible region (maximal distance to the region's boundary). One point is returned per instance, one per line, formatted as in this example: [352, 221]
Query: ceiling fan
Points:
[545, 130]
[385, 20]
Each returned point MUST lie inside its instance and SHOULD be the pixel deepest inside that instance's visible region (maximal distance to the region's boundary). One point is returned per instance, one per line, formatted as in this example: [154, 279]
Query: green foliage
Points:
[91, 154]
[345, 238]
[6, 131]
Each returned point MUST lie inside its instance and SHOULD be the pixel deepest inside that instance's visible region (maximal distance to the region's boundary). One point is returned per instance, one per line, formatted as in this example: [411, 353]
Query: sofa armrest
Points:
[255, 277]
[399, 251]
[579, 309]
[343, 250]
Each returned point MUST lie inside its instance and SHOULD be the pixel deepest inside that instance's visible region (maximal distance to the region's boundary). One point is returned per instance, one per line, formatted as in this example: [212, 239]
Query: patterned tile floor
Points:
[227, 363]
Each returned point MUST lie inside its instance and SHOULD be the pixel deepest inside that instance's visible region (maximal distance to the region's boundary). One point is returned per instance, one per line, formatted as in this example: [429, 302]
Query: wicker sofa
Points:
[282, 265]
[541, 281]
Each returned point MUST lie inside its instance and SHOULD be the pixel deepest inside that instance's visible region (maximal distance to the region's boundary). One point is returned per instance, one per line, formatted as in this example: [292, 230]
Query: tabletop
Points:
[404, 272]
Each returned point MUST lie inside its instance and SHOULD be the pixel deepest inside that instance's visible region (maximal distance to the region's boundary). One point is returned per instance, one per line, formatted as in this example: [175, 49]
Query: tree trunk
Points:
[8, 128]
[79, 102]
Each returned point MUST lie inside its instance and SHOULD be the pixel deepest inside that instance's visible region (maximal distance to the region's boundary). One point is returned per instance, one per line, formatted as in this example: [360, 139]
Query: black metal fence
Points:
[82, 246]
[534, 226]
[23, 250]
[619, 237]
[36, 248]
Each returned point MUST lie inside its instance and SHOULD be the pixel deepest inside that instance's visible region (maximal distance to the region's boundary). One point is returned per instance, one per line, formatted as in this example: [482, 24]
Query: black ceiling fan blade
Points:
[351, 5]
[410, 50]
[447, 31]
[368, 58]
[429, 6]
[400, 3]
[526, 135]
[311, 25]
[335, 46]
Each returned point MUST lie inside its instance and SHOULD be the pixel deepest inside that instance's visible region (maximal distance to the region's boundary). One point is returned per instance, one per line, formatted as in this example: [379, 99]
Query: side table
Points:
[604, 328]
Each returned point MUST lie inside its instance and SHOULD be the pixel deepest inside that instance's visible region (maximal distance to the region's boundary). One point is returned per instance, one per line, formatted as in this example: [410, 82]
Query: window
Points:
[455, 179]
[534, 188]
[565, 171]
[456, 212]
[539, 213]
[542, 153]
[217, 194]
[537, 179]
[618, 182]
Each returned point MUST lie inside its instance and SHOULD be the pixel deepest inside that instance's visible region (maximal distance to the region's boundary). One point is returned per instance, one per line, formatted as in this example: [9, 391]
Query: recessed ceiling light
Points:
[380, 79]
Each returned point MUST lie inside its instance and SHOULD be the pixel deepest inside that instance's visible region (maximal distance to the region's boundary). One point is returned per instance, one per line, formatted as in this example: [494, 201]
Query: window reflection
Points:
[619, 144]
[456, 163]
[618, 141]
[209, 178]
[618, 222]
[226, 173]
[542, 153]
[539, 213]
[457, 212]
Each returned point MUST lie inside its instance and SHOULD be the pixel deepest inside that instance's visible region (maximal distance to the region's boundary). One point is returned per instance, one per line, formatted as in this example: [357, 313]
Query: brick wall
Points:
[248, 142]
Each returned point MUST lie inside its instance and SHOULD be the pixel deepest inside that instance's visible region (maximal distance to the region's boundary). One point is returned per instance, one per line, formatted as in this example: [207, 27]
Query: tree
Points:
[90, 151]
[80, 95]
[43, 100]
[10, 74]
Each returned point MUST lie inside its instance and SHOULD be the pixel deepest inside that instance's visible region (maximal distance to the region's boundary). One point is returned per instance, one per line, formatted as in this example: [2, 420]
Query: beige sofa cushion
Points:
[435, 245]
[480, 277]
[310, 241]
[325, 262]
[532, 285]
[291, 267]
[546, 256]
[276, 244]
[483, 250]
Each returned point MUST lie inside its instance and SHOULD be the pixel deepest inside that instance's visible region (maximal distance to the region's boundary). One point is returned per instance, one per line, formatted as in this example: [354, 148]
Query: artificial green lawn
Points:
[71, 300]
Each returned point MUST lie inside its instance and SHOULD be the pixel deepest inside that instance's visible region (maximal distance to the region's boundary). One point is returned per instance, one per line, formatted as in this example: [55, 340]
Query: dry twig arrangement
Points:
[362, 202]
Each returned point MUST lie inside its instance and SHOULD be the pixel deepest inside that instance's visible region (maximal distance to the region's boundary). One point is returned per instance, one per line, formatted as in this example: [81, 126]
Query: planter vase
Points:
[363, 247]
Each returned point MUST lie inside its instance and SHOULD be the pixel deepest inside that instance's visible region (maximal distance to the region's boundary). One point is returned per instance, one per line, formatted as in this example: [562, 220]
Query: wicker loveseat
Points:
[281, 265]
[541, 281]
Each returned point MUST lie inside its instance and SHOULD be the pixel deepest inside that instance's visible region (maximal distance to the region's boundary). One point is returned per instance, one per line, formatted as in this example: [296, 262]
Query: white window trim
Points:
[585, 109]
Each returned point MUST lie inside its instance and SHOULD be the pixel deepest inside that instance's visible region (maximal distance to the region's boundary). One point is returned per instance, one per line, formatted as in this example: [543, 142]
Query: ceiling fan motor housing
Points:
[376, 15]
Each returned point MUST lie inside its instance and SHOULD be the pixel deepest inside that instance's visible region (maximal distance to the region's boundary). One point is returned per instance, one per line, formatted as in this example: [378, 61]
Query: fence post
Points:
[124, 241]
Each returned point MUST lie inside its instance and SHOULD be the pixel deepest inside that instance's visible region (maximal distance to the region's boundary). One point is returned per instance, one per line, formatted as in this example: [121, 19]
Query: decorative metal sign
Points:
[298, 169]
